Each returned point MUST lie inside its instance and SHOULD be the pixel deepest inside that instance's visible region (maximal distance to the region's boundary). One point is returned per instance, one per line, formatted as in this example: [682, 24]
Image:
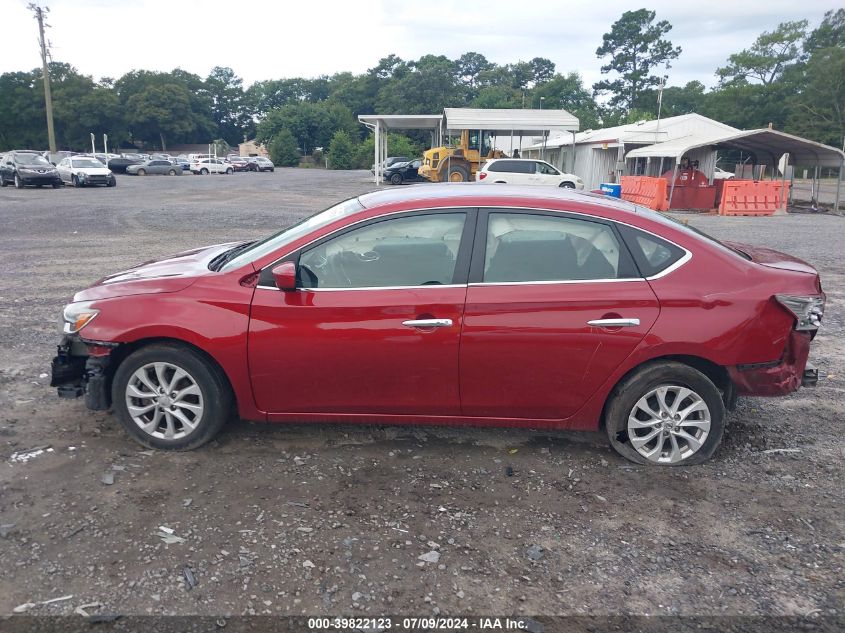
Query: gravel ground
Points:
[368, 520]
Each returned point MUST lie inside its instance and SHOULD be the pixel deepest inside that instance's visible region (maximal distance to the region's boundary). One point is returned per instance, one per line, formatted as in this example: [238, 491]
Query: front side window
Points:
[524, 247]
[546, 169]
[409, 251]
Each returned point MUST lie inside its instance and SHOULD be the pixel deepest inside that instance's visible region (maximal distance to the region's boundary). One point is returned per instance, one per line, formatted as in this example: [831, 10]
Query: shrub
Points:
[283, 150]
[341, 151]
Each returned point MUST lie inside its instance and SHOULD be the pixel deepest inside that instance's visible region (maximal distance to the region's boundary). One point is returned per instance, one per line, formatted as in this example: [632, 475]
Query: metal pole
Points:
[377, 170]
[838, 187]
[48, 99]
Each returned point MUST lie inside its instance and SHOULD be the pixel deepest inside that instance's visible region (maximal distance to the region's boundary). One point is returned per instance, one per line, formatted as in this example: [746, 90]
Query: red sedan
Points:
[451, 304]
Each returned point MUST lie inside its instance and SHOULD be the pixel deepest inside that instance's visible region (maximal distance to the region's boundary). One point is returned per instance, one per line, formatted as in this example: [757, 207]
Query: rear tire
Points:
[458, 174]
[645, 418]
[142, 172]
[172, 172]
[194, 403]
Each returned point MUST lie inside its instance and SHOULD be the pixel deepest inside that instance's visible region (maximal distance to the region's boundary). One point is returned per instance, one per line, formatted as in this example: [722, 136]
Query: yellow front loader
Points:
[458, 163]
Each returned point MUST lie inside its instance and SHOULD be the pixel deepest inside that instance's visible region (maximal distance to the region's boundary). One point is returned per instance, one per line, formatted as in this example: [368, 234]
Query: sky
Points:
[266, 39]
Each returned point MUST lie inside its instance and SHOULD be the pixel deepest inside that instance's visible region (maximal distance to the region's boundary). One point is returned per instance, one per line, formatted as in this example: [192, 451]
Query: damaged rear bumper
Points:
[780, 377]
[82, 369]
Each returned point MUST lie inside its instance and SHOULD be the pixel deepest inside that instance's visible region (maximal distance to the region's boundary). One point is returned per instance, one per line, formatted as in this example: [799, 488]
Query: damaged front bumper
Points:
[83, 368]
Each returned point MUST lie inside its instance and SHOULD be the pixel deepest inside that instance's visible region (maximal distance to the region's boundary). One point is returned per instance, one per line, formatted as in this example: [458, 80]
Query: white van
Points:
[526, 171]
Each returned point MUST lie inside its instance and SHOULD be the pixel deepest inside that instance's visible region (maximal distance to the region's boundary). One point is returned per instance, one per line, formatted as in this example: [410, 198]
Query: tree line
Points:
[792, 77]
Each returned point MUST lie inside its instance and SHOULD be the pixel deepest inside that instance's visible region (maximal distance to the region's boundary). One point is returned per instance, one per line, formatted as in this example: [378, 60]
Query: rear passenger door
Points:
[554, 305]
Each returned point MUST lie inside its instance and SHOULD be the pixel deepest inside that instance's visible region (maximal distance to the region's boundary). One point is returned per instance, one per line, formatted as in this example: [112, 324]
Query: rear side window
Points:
[513, 166]
[525, 247]
[652, 254]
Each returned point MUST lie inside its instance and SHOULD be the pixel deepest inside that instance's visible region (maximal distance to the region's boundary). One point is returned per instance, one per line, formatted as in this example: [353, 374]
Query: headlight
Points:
[808, 311]
[77, 315]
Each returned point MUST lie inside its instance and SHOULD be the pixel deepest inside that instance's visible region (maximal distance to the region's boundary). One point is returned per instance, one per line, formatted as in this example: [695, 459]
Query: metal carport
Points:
[764, 144]
[515, 122]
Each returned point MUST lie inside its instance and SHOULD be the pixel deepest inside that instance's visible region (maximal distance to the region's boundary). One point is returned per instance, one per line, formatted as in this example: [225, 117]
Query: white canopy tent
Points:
[767, 146]
[499, 121]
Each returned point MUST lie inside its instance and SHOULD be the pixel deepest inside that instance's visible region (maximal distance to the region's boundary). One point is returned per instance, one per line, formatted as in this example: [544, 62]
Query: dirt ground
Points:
[305, 520]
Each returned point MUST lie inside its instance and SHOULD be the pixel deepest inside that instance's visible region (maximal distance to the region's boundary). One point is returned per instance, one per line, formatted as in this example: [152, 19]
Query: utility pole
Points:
[48, 99]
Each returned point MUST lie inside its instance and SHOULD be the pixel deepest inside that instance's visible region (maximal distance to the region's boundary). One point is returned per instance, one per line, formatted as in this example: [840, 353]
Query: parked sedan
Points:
[398, 173]
[462, 305]
[23, 168]
[154, 167]
[238, 163]
[211, 166]
[84, 171]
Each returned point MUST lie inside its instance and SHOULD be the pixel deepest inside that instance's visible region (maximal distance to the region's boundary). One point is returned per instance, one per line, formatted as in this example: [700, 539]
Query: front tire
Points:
[396, 179]
[567, 185]
[142, 172]
[203, 172]
[170, 397]
[75, 181]
[18, 182]
[230, 171]
[172, 172]
[665, 414]
[458, 174]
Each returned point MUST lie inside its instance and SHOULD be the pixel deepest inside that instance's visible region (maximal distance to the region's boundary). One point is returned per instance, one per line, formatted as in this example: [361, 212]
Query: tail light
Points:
[482, 175]
[808, 311]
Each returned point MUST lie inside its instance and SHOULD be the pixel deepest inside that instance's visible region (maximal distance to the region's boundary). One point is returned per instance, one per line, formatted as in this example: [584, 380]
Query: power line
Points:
[45, 51]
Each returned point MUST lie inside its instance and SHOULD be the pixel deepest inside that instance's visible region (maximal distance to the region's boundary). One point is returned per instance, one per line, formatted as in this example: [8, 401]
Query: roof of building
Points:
[764, 144]
[501, 121]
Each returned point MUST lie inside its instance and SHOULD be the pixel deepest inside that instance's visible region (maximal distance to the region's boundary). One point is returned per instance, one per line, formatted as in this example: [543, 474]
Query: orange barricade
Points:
[751, 197]
[647, 191]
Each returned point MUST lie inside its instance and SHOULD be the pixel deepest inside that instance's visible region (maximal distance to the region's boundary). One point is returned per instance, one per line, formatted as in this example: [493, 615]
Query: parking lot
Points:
[290, 519]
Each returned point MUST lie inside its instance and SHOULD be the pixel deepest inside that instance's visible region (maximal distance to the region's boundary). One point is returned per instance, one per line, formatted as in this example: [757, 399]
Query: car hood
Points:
[171, 274]
[772, 258]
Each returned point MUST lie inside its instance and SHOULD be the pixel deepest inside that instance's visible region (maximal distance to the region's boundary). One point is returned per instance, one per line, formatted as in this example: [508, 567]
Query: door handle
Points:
[614, 322]
[426, 323]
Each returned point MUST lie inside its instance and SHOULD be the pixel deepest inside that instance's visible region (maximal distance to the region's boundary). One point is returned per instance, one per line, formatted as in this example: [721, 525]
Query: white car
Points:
[82, 171]
[211, 166]
[721, 174]
[525, 171]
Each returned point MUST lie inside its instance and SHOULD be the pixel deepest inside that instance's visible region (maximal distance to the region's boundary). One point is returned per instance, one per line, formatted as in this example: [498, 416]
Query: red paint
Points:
[516, 355]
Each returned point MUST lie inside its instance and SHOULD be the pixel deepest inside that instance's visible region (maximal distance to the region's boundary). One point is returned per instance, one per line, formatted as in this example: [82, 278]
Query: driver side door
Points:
[374, 323]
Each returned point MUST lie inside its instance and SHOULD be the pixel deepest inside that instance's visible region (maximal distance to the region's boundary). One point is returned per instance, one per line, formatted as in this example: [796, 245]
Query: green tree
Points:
[818, 111]
[160, 113]
[567, 92]
[282, 148]
[229, 109]
[397, 145]
[429, 85]
[341, 151]
[635, 45]
[831, 32]
[764, 62]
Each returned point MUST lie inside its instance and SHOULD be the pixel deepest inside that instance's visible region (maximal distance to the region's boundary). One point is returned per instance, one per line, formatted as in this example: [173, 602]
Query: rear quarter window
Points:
[652, 254]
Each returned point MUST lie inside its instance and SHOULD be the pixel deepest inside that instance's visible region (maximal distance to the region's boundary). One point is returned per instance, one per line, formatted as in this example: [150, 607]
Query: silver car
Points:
[154, 166]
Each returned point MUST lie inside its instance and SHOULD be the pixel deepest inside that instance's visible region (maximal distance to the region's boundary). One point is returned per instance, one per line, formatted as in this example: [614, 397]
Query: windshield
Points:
[286, 236]
[87, 162]
[31, 159]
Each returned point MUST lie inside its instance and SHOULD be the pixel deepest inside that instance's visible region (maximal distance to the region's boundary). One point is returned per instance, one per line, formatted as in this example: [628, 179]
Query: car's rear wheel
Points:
[142, 172]
[665, 414]
[567, 185]
[172, 172]
[171, 397]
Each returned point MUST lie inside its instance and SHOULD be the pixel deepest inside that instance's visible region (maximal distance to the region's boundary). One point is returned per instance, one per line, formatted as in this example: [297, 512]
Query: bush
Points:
[283, 150]
[341, 151]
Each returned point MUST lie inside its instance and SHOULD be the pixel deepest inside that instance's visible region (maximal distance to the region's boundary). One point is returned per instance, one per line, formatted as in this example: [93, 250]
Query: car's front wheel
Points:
[396, 179]
[666, 414]
[172, 172]
[18, 182]
[567, 185]
[203, 172]
[171, 397]
[142, 172]
[230, 171]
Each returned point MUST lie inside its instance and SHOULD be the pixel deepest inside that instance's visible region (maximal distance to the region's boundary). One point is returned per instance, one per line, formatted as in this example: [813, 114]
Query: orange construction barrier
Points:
[751, 197]
[647, 191]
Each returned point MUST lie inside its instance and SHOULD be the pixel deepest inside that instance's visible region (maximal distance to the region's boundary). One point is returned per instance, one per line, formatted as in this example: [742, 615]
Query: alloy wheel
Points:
[669, 424]
[164, 400]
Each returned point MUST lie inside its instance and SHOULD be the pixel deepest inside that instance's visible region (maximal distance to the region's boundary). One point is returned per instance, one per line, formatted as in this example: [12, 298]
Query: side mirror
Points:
[285, 276]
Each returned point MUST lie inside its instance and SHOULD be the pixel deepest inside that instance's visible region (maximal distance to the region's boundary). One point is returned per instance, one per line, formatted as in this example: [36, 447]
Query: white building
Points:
[599, 155]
